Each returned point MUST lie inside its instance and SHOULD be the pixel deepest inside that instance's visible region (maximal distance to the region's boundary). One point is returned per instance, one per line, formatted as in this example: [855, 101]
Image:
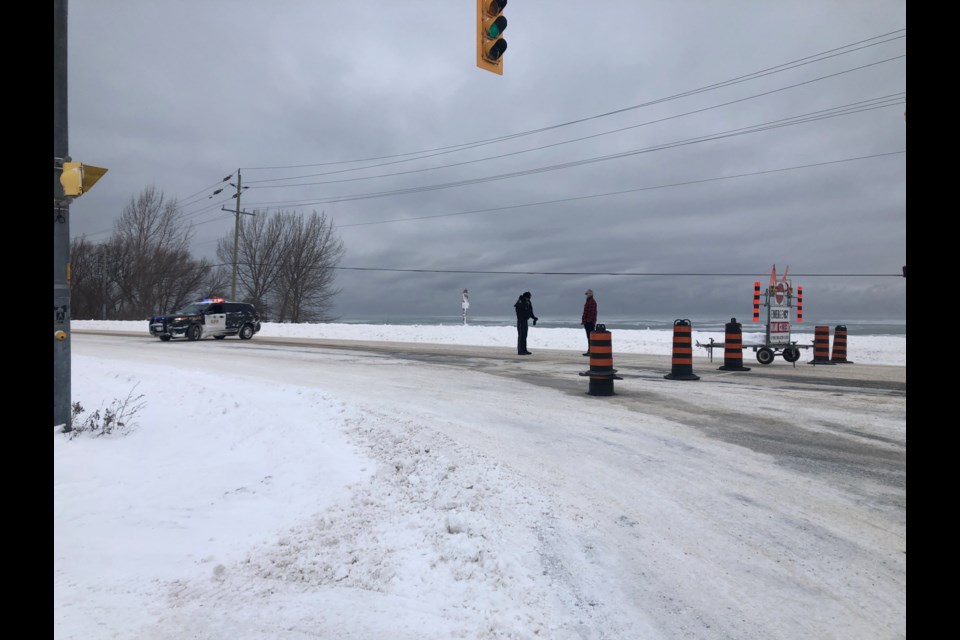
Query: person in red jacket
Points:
[589, 317]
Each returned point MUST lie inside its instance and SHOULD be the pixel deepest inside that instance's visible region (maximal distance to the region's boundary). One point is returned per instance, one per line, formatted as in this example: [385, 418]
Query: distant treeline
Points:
[285, 265]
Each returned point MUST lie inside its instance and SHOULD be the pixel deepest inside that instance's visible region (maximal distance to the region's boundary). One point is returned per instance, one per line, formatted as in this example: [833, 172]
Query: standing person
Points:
[589, 317]
[524, 312]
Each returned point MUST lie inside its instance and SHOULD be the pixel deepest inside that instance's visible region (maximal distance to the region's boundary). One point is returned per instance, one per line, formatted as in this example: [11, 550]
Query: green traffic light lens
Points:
[497, 27]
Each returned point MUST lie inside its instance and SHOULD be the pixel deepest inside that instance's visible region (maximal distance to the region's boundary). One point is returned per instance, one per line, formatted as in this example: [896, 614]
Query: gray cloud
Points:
[180, 94]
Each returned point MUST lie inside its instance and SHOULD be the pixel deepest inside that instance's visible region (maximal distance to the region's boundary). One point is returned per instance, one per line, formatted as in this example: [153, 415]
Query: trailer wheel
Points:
[765, 356]
[791, 354]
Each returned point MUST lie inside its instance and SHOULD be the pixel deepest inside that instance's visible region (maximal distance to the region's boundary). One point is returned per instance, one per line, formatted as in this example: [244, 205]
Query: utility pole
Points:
[236, 233]
[236, 241]
[61, 225]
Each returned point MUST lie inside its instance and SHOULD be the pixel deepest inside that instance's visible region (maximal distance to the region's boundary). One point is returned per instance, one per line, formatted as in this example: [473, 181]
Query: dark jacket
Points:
[589, 311]
[524, 309]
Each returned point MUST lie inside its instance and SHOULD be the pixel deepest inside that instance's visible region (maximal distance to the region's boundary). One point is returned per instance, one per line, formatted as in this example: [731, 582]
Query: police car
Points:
[214, 317]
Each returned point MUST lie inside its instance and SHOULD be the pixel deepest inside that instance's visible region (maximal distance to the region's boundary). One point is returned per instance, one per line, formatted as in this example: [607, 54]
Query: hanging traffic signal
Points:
[491, 24]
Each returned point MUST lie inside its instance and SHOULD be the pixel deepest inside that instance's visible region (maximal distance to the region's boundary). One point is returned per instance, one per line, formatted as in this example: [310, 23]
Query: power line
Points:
[195, 198]
[622, 273]
[599, 273]
[624, 191]
[557, 144]
[790, 121]
[819, 57]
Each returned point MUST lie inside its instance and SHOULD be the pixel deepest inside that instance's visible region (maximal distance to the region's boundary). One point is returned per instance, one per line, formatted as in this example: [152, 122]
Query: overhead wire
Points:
[789, 121]
[198, 197]
[563, 142]
[652, 274]
[621, 192]
[843, 50]
[819, 57]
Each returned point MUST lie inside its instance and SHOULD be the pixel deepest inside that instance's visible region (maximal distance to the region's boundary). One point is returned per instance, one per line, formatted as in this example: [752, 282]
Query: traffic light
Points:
[77, 178]
[491, 24]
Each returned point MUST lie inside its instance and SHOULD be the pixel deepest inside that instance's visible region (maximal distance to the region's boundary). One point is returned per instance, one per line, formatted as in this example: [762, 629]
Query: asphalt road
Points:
[727, 405]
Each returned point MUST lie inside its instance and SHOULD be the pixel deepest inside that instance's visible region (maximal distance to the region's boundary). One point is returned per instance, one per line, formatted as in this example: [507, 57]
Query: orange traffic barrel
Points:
[821, 346]
[840, 345]
[602, 374]
[682, 362]
[733, 347]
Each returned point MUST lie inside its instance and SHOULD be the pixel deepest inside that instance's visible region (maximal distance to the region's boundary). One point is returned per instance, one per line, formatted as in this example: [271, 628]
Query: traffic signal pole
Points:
[61, 225]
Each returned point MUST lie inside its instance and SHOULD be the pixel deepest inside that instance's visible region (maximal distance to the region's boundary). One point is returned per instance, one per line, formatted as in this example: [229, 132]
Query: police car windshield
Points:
[193, 308]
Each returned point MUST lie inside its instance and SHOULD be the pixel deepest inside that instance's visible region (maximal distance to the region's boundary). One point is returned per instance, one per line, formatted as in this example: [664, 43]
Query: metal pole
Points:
[61, 225]
[236, 240]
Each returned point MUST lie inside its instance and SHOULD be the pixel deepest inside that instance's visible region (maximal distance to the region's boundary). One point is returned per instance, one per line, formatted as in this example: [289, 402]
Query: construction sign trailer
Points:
[780, 301]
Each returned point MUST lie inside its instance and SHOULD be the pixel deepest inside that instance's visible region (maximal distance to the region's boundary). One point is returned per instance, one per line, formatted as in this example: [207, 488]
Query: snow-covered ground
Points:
[277, 493]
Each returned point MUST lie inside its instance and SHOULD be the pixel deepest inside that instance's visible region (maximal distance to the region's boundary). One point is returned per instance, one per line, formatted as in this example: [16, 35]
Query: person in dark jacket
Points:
[524, 312]
[589, 317]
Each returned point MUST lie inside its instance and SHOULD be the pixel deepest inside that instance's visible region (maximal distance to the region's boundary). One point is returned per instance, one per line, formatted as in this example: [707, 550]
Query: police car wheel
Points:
[193, 333]
[165, 338]
[246, 332]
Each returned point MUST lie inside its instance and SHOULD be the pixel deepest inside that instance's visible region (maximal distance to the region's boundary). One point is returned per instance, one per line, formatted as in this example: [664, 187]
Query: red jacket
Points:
[589, 311]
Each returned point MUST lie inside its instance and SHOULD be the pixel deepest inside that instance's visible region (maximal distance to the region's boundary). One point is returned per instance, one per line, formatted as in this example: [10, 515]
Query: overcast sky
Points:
[642, 149]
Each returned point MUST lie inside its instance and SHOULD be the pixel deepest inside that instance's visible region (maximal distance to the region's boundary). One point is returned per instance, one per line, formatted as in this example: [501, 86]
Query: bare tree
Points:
[259, 253]
[149, 258]
[216, 284]
[85, 290]
[309, 256]
[95, 291]
[286, 265]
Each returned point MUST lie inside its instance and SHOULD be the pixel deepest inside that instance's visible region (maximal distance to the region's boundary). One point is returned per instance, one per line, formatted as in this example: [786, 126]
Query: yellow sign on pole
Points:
[77, 178]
